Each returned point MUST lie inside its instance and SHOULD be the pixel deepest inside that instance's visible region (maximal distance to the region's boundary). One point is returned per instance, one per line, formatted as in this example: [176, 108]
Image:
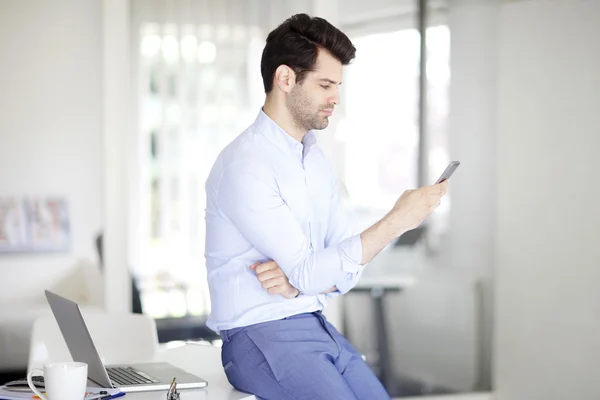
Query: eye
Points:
[325, 86]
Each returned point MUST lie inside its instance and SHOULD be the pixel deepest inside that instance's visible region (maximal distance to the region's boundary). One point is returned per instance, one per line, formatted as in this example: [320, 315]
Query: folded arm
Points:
[249, 198]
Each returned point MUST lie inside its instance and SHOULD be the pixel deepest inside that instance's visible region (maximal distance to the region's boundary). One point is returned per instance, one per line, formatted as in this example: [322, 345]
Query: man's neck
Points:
[281, 116]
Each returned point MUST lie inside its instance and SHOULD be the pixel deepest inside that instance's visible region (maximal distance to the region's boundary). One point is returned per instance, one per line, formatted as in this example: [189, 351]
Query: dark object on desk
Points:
[184, 328]
[9, 376]
[411, 237]
[110, 396]
[173, 394]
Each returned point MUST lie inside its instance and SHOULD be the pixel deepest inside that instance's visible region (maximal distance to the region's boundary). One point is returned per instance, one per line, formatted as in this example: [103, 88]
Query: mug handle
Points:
[32, 386]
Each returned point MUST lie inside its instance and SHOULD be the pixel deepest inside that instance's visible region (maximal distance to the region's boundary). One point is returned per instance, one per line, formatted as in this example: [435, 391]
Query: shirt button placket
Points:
[310, 210]
[309, 216]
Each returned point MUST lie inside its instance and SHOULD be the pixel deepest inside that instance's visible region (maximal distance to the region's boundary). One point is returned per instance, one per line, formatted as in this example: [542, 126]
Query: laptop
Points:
[128, 378]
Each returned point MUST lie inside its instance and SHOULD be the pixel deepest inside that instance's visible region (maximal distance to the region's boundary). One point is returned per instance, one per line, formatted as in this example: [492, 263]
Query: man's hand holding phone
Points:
[414, 206]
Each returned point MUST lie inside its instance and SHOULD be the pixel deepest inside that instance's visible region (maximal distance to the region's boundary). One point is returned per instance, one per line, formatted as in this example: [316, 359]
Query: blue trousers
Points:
[302, 357]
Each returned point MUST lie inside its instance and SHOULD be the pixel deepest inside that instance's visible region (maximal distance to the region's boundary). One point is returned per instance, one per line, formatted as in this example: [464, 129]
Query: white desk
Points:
[465, 396]
[200, 360]
[210, 393]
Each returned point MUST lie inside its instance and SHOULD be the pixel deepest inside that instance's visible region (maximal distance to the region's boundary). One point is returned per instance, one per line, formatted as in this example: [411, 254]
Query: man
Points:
[277, 245]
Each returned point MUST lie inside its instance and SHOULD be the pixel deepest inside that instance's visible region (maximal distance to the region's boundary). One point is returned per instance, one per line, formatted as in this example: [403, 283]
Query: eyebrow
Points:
[330, 81]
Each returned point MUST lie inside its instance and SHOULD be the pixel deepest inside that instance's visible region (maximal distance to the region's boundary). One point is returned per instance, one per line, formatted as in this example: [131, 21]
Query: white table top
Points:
[462, 396]
[209, 393]
[200, 360]
[199, 394]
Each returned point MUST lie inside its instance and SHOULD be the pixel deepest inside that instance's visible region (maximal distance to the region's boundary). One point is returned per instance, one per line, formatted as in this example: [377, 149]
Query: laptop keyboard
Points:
[128, 376]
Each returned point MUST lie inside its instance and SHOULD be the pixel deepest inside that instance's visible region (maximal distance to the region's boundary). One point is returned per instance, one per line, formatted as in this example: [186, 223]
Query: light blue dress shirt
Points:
[270, 197]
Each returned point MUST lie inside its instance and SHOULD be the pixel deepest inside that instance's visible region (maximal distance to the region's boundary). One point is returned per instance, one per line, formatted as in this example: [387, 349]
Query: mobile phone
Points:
[448, 171]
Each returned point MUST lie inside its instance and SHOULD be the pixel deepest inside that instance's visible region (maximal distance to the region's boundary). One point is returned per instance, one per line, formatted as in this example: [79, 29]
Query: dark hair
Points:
[296, 43]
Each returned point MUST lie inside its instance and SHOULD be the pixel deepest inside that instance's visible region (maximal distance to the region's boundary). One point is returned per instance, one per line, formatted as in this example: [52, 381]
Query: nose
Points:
[335, 98]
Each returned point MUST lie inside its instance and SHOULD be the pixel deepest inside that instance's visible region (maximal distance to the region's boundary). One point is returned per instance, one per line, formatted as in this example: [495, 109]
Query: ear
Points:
[285, 78]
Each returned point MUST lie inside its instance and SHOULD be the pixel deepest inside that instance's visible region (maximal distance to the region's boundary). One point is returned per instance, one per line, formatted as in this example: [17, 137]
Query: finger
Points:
[266, 266]
[444, 187]
[432, 198]
[253, 266]
[436, 202]
[433, 190]
[276, 290]
[438, 190]
[270, 274]
[282, 290]
[271, 283]
[434, 205]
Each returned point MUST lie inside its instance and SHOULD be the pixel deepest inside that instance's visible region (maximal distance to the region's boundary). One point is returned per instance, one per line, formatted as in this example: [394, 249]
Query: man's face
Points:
[311, 102]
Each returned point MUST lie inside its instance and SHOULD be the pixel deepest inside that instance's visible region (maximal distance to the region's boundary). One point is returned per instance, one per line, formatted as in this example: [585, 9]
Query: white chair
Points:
[81, 282]
[119, 338]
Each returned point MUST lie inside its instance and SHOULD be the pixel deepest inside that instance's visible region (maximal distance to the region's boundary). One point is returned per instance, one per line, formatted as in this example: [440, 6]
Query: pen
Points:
[112, 396]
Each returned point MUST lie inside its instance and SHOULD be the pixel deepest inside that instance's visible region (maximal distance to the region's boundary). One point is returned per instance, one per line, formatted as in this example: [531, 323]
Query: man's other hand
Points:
[272, 278]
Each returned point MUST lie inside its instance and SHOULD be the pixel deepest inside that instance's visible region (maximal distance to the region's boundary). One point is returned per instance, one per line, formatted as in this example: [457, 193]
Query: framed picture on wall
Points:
[13, 229]
[34, 224]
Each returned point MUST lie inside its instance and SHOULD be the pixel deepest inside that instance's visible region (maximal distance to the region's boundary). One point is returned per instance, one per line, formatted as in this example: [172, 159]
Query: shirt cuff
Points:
[351, 256]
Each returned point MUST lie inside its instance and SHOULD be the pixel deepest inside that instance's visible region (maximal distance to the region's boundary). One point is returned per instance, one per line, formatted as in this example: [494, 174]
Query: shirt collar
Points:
[281, 138]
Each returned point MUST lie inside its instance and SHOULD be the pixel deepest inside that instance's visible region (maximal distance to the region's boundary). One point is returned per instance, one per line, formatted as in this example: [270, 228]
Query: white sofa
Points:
[84, 285]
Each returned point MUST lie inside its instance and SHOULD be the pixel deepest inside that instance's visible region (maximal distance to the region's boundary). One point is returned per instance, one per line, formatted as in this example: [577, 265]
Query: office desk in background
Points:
[377, 288]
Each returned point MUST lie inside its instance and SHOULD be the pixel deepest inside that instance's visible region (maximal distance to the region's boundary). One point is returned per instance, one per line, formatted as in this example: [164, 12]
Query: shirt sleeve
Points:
[249, 198]
[339, 234]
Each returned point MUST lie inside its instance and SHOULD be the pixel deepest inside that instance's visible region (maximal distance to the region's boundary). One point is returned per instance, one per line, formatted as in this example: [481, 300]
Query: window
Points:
[379, 133]
[192, 80]
[380, 130]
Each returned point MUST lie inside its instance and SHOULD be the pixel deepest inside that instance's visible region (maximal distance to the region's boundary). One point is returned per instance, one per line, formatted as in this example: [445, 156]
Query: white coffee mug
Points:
[63, 380]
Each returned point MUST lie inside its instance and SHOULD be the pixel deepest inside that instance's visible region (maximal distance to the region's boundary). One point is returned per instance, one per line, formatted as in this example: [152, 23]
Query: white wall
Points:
[468, 248]
[548, 222]
[524, 122]
[50, 127]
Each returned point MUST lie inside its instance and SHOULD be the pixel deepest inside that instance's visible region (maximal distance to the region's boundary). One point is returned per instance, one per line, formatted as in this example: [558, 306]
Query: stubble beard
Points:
[303, 111]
